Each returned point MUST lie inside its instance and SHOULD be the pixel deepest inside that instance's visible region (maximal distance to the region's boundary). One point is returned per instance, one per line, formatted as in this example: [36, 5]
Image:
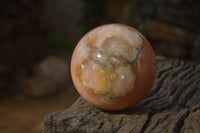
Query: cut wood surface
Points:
[172, 106]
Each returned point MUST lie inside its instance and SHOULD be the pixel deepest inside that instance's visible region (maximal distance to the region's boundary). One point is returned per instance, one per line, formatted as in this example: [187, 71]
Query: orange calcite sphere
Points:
[113, 67]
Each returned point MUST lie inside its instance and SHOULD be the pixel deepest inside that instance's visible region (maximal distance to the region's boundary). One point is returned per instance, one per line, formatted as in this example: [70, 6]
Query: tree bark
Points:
[172, 106]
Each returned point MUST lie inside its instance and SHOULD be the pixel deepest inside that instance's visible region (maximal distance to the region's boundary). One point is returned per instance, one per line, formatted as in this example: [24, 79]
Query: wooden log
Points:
[172, 106]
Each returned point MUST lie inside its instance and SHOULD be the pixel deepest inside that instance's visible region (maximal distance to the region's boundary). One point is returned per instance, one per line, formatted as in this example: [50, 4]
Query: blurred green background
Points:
[172, 26]
[37, 38]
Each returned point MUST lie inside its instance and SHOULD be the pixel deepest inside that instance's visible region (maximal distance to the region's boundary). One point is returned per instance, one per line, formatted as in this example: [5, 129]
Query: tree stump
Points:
[172, 106]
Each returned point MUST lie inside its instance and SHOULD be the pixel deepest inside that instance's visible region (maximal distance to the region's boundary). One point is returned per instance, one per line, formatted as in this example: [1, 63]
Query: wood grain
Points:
[172, 106]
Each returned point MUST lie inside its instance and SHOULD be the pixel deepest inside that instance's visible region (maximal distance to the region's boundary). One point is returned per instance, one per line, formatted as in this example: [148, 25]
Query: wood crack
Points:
[180, 122]
[150, 115]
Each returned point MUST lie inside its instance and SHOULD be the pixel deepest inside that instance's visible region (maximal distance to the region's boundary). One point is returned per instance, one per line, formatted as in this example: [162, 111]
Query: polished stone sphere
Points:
[113, 67]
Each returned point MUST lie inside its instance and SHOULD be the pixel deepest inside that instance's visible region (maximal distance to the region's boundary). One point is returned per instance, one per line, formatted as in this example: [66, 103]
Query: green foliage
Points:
[58, 45]
[189, 3]
[93, 14]
[140, 11]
